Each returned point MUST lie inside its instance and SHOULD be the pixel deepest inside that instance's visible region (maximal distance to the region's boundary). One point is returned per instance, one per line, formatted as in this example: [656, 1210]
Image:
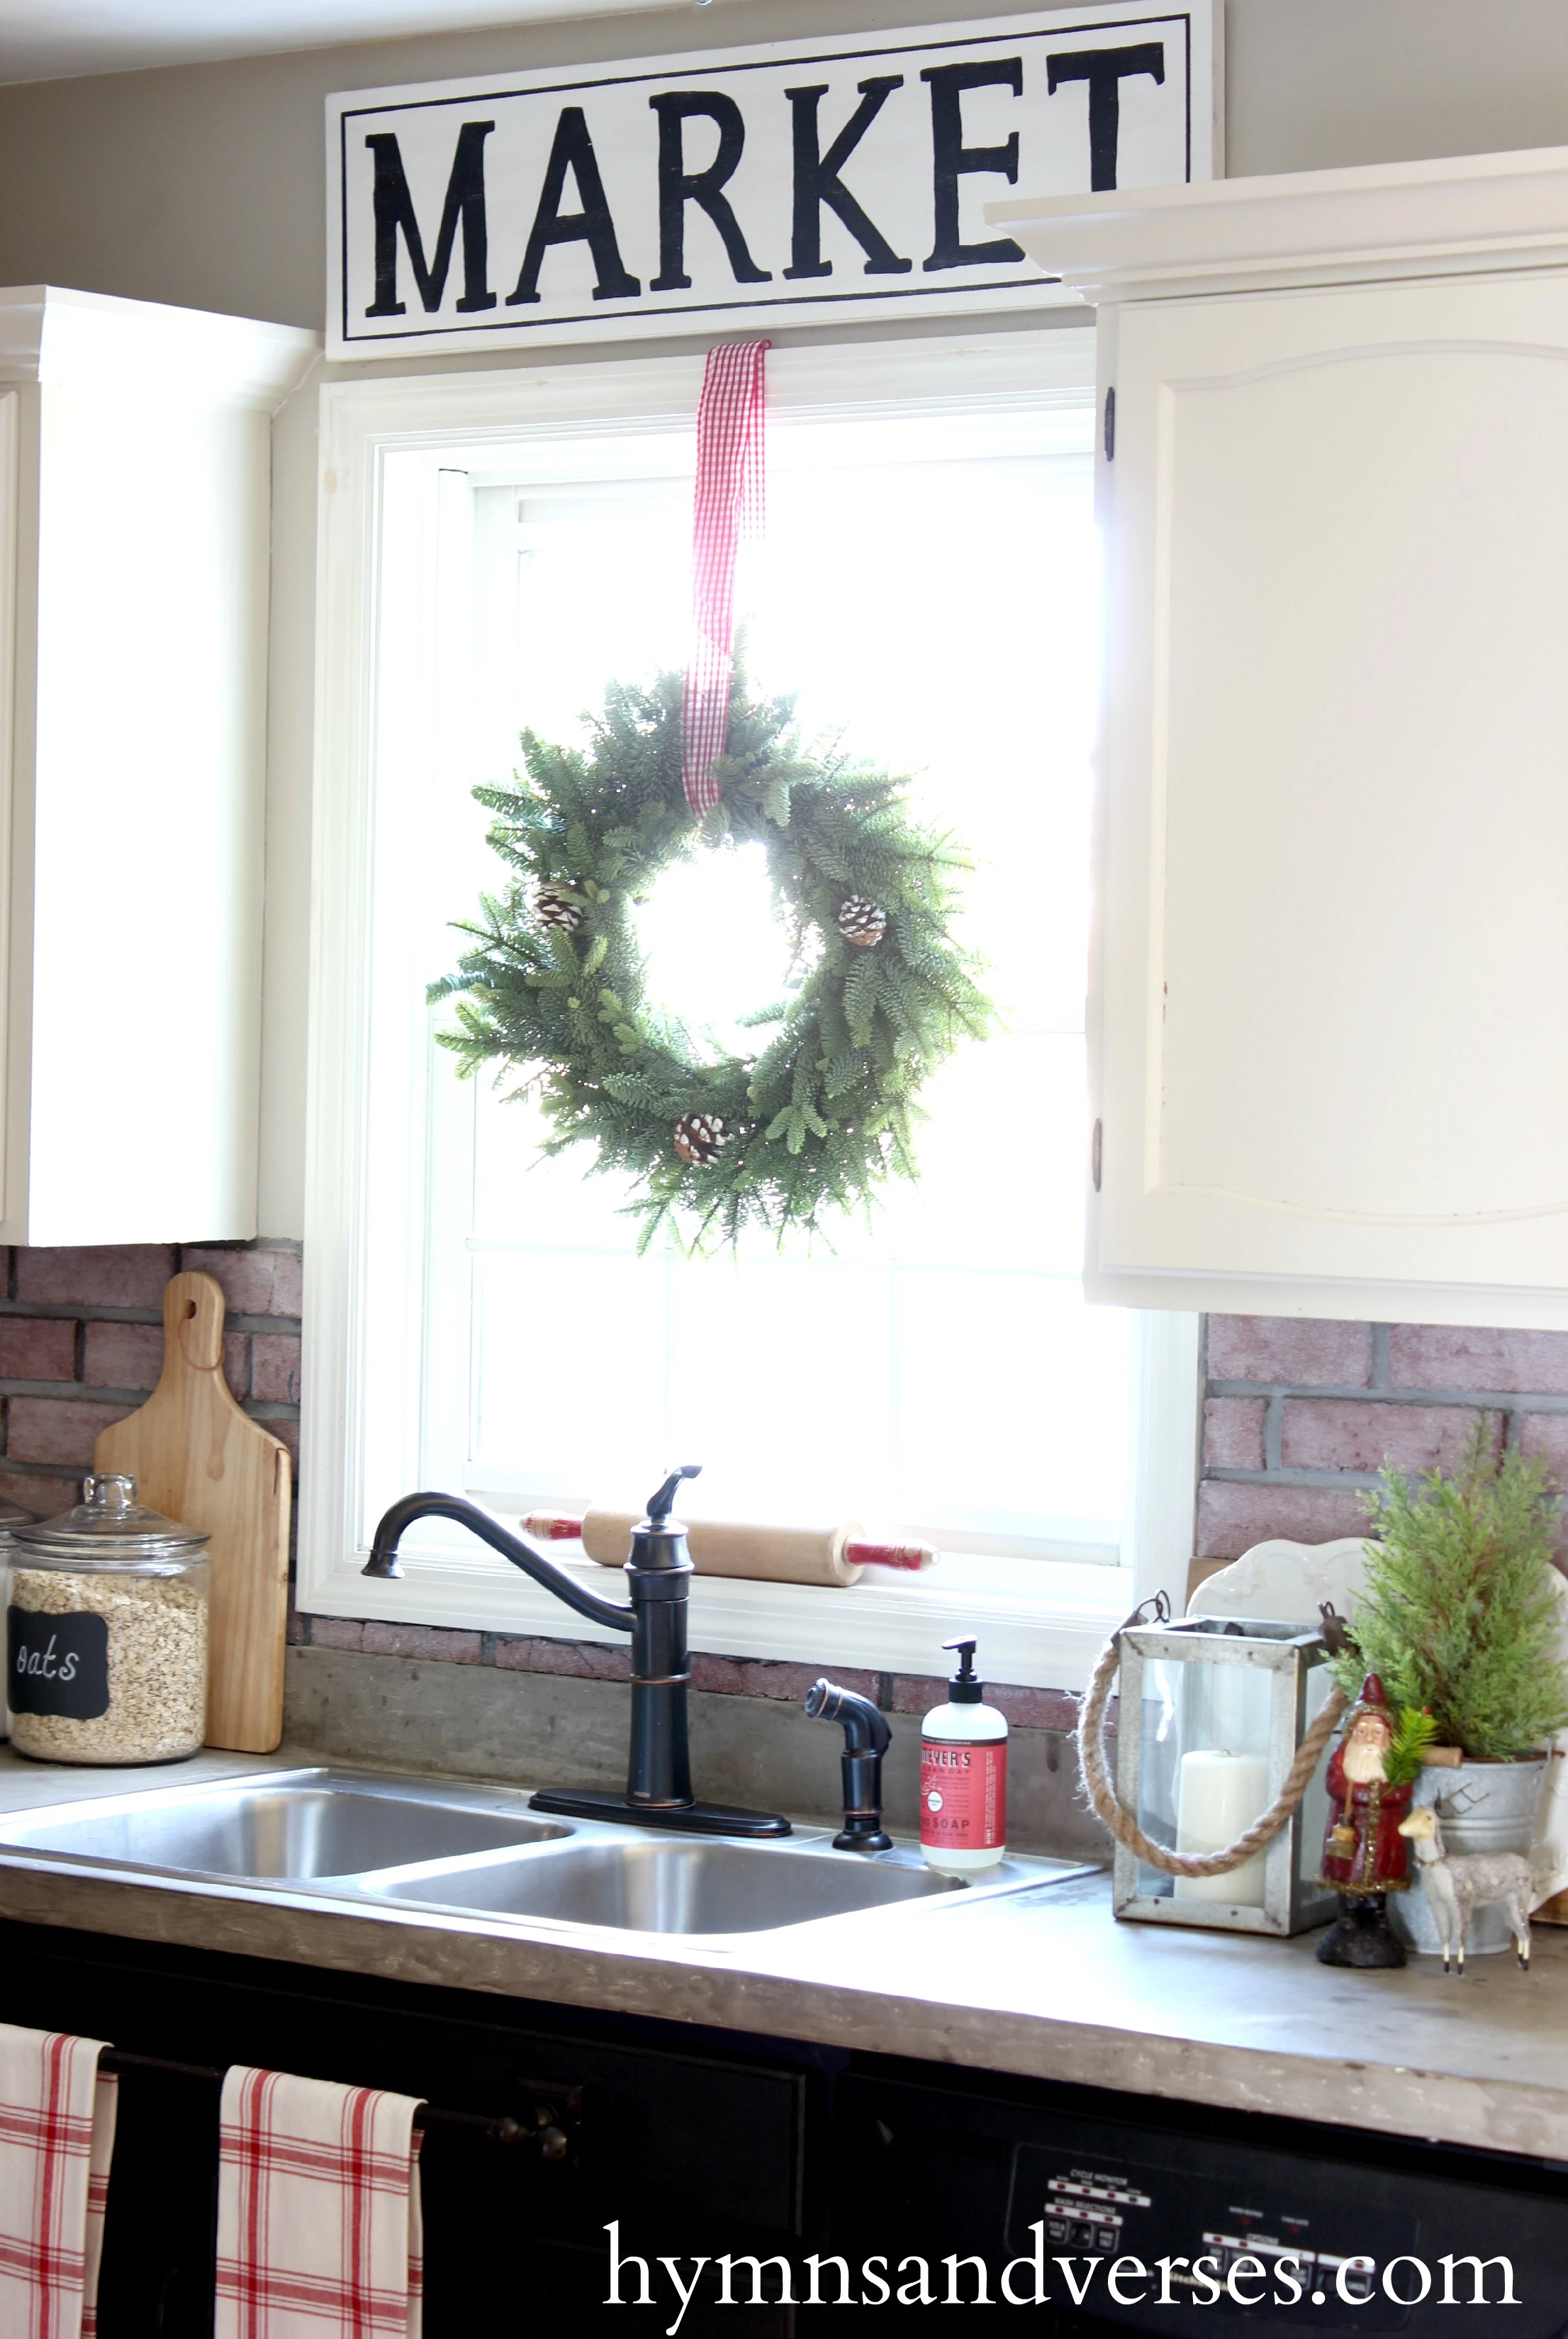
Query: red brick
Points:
[254, 1282]
[1298, 1349]
[37, 1348]
[41, 1495]
[1336, 1434]
[1546, 1435]
[1034, 1709]
[917, 1692]
[336, 1632]
[1026, 1708]
[1456, 1356]
[583, 1660]
[1232, 1517]
[765, 1677]
[130, 1357]
[440, 1644]
[116, 1275]
[287, 1433]
[275, 1367]
[122, 1356]
[1233, 1432]
[55, 1429]
[1542, 1434]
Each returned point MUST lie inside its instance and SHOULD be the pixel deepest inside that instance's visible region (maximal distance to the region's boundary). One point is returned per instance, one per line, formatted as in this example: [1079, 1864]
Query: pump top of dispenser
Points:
[963, 1687]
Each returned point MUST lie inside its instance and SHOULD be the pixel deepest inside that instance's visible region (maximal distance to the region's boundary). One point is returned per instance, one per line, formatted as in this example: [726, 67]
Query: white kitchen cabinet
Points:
[134, 485]
[1330, 996]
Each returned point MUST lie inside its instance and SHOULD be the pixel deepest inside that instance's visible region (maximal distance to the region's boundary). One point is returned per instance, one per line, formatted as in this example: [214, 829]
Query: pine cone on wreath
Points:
[861, 922]
[554, 907]
[698, 1138]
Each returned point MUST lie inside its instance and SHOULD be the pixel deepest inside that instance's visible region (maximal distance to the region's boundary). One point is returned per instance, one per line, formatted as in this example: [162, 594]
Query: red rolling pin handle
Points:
[555, 1526]
[908, 1555]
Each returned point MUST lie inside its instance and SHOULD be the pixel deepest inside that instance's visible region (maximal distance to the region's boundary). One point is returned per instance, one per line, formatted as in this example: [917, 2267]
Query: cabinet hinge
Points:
[1095, 1144]
[1110, 425]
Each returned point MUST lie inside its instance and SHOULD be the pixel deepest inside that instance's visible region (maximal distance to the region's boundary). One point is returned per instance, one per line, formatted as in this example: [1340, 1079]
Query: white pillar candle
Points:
[1217, 1798]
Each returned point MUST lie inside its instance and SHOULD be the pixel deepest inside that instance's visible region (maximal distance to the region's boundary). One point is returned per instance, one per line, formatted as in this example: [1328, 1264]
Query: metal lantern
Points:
[1212, 1711]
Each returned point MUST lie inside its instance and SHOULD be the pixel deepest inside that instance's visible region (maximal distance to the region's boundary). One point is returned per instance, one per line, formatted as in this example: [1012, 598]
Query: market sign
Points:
[794, 181]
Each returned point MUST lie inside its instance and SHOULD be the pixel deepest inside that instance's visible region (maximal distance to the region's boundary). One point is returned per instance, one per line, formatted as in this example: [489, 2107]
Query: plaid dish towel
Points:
[319, 2227]
[57, 2139]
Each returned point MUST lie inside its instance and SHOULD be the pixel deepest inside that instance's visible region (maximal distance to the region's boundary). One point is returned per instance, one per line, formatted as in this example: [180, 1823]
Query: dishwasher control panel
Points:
[1268, 2230]
[1273, 2242]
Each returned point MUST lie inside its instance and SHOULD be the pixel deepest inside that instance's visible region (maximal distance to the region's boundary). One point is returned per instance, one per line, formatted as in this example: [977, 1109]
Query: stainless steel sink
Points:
[658, 1886]
[427, 1845]
[301, 1826]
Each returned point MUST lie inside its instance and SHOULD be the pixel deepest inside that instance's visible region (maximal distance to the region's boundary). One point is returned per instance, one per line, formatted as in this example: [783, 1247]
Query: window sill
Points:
[1040, 1624]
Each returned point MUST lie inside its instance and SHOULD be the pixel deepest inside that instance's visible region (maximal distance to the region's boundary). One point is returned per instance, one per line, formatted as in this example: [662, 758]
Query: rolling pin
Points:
[770, 1554]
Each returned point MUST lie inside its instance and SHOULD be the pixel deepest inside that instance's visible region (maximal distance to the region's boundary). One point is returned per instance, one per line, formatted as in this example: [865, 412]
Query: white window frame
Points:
[378, 651]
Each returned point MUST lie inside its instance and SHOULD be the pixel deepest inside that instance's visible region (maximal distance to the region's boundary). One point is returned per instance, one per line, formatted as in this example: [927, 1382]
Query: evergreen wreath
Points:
[554, 984]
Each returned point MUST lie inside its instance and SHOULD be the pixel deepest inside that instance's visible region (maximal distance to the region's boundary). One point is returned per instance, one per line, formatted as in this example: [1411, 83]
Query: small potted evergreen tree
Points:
[1461, 1621]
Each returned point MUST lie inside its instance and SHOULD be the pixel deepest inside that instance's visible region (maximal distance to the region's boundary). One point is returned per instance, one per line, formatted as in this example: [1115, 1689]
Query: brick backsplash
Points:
[81, 1344]
[1298, 1417]
[1026, 1708]
[81, 1340]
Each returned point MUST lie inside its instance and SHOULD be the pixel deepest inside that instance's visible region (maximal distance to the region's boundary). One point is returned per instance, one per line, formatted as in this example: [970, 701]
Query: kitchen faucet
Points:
[659, 1576]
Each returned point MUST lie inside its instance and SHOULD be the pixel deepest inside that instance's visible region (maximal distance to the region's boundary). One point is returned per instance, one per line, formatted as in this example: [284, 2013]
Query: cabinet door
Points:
[1331, 1010]
[689, 2152]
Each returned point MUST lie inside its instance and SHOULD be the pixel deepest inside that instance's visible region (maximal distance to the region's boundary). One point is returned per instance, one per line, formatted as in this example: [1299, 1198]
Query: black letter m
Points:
[395, 212]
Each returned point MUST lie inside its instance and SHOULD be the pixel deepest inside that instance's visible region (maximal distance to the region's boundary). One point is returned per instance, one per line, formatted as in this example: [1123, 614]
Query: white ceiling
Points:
[42, 39]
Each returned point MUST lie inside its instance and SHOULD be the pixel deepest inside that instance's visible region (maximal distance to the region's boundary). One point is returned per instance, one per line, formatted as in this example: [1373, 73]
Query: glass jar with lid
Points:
[107, 1632]
[12, 1515]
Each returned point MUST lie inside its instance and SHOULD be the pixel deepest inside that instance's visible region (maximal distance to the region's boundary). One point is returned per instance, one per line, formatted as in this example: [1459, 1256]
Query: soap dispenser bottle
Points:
[963, 1776]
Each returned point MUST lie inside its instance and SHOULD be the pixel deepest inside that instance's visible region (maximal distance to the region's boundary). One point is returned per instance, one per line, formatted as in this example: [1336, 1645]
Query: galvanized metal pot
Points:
[1484, 1807]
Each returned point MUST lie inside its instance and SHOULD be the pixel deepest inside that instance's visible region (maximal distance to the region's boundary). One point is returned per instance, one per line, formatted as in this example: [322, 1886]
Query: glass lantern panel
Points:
[1203, 1771]
[1313, 1823]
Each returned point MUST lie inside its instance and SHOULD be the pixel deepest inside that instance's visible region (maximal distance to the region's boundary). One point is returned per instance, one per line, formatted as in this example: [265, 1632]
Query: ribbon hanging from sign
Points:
[728, 506]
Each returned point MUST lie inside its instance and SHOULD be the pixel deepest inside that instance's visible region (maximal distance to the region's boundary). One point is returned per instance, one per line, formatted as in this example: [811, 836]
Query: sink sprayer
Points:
[866, 1738]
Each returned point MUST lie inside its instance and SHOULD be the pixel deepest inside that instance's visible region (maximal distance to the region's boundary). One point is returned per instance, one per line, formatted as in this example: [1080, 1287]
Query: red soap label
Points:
[962, 1795]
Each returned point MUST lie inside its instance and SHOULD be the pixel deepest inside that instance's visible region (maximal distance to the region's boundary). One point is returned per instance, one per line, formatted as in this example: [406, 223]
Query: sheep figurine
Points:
[1457, 1884]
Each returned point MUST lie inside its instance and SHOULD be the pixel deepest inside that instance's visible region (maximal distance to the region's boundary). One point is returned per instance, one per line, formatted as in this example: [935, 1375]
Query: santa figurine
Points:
[1365, 1857]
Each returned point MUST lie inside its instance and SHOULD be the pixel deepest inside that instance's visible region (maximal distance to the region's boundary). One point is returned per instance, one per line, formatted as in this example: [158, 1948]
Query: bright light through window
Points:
[930, 596]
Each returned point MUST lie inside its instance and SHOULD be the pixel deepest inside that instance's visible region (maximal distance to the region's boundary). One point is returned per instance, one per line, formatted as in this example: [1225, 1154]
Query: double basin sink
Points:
[442, 1847]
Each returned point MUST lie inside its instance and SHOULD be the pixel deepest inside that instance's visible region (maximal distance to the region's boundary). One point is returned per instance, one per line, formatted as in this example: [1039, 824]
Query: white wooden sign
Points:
[743, 188]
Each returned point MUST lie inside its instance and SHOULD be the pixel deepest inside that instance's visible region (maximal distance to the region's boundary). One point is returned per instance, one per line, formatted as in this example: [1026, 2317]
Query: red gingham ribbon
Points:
[729, 504]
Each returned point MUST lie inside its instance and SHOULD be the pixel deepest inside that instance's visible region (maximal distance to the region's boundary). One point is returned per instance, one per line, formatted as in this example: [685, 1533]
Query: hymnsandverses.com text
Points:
[1276, 2278]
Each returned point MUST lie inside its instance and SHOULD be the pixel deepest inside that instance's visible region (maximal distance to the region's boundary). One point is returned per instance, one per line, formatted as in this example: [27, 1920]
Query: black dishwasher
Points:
[1267, 2227]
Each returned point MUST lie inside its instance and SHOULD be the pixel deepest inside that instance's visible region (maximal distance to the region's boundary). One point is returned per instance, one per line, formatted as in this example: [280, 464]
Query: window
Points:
[498, 548]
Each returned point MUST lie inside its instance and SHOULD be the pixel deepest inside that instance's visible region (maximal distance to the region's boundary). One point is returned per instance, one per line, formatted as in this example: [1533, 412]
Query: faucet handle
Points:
[661, 1504]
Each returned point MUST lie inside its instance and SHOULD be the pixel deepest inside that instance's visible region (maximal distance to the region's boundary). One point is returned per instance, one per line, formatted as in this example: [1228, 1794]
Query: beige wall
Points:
[204, 185]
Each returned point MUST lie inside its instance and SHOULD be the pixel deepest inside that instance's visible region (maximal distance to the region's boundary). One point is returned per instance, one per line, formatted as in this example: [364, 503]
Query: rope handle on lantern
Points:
[1098, 1785]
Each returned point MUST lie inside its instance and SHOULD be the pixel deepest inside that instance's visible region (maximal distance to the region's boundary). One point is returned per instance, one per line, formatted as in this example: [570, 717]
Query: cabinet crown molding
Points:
[1457, 215]
[48, 334]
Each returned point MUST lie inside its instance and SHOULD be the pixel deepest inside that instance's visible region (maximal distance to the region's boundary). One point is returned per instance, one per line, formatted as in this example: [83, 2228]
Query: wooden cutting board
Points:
[197, 1457]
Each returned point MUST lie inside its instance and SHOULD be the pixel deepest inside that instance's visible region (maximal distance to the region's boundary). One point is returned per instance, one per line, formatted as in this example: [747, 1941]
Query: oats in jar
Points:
[107, 1638]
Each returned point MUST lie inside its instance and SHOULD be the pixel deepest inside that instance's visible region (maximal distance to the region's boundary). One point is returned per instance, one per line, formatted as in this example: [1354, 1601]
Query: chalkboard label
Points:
[57, 1665]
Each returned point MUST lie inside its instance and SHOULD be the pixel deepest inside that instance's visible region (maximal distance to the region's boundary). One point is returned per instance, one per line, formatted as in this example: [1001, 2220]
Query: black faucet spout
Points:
[659, 1576]
[618, 1615]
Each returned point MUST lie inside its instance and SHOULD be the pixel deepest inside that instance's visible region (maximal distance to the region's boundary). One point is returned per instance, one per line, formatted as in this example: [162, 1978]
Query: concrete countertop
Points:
[1041, 1983]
